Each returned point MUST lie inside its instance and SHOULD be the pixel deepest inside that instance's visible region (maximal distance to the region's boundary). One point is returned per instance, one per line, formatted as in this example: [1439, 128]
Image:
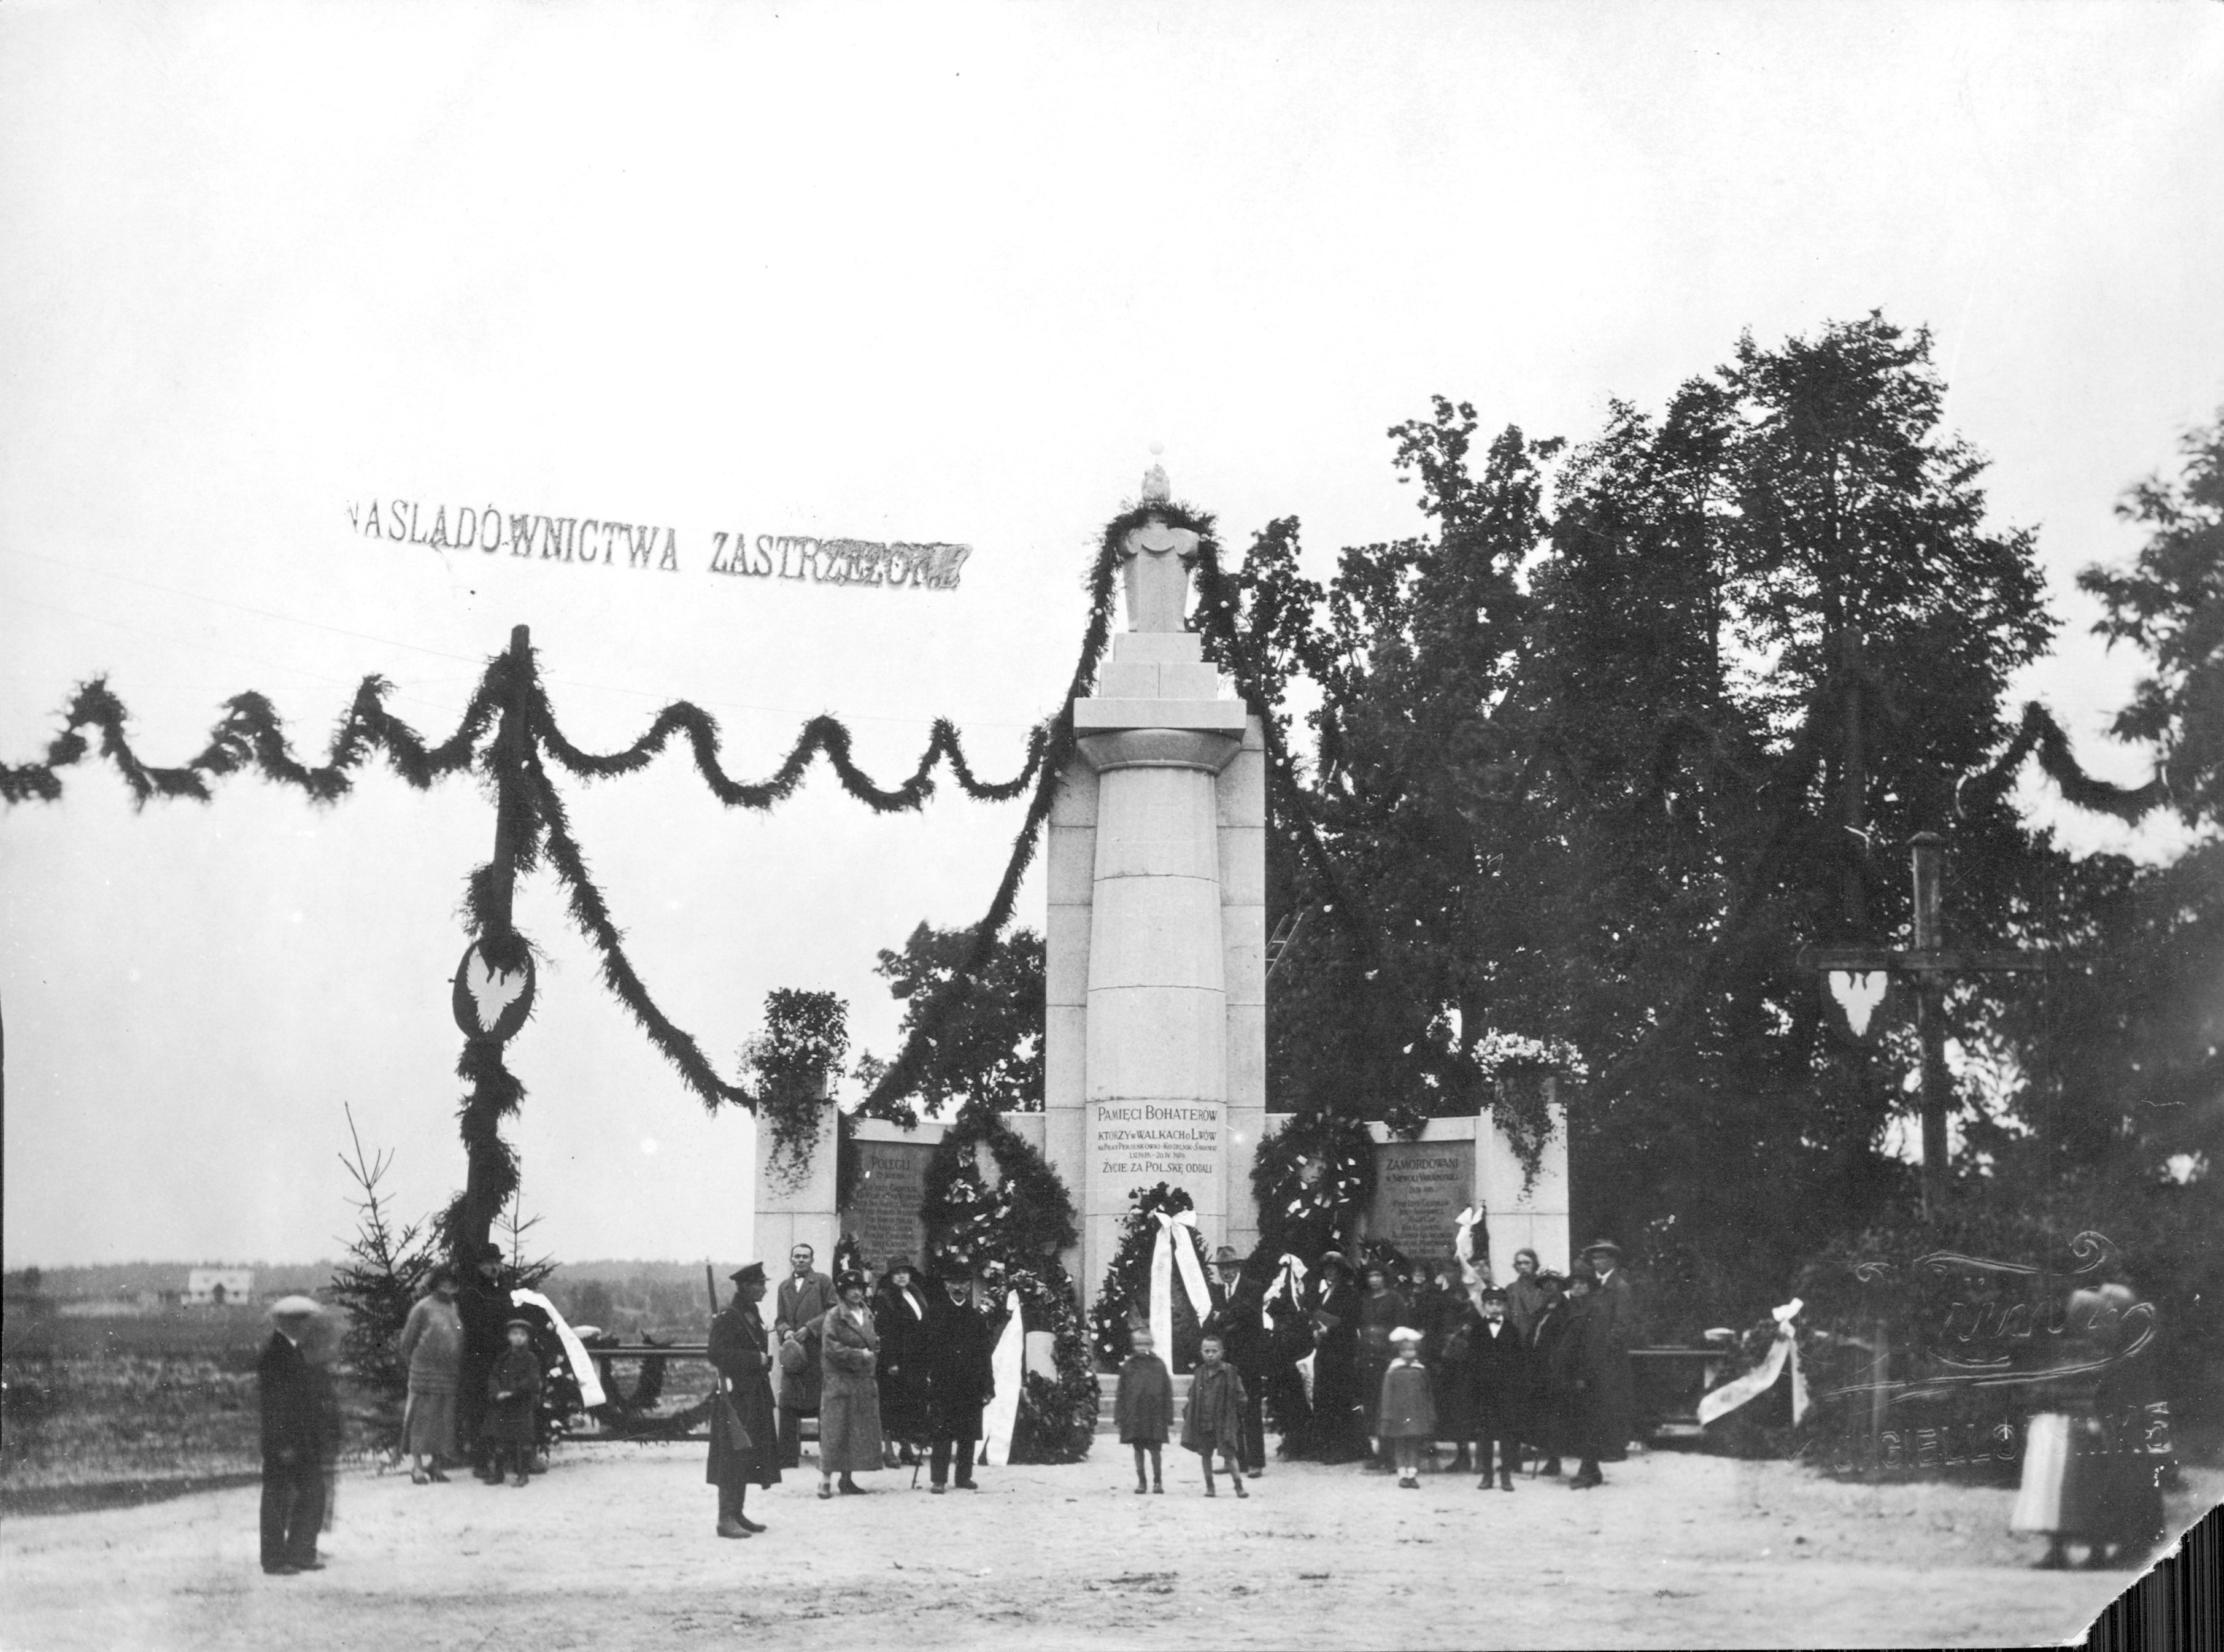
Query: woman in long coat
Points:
[1341, 1407]
[849, 1396]
[1451, 1319]
[900, 1311]
[433, 1347]
[744, 1447]
[1381, 1311]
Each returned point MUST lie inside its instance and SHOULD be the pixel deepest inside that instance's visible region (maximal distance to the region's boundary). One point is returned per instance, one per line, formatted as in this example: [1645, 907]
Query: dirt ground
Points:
[614, 1548]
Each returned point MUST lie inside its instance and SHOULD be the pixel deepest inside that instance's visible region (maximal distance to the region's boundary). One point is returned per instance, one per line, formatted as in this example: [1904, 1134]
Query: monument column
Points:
[1140, 1014]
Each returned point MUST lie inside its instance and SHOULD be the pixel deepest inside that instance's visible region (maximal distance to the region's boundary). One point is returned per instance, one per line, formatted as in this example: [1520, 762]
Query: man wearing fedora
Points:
[300, 1430]
[1615, 1330]
[1237, 1320]
[745, 1439]
[960, 1380]
[483, 1306]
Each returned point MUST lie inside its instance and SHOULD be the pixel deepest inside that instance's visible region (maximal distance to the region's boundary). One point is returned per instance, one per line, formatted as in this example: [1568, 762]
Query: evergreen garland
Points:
[1011, 1236]
[1308, 1218]
[1122, 1298]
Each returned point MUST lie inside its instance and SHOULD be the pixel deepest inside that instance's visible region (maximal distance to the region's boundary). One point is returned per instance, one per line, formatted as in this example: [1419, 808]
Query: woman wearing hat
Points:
[1381, 1311]
[1341, 1407]
[848, 1397]
[431, 1346]
[744, 1436]
[899, 1310]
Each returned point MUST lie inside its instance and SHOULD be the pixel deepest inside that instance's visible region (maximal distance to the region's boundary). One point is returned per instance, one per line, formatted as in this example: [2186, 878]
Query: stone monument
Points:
[1155, 1045]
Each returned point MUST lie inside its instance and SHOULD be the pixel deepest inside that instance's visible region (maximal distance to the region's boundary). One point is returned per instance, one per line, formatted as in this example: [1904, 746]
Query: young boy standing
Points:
[1143, 1406]
[514, 1393]
[1214, 1421]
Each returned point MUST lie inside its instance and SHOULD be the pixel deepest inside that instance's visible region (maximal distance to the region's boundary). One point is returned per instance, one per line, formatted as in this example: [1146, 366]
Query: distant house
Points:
[214, 1287]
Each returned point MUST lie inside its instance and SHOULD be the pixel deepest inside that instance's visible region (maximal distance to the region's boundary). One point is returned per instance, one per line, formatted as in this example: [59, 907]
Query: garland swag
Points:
[1011, 1236]
[1123, 1298]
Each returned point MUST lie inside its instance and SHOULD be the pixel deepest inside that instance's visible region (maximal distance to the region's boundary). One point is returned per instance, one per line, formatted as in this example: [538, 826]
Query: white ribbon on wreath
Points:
[1762, 1377]
[1165, 1253]
[1463, 1249]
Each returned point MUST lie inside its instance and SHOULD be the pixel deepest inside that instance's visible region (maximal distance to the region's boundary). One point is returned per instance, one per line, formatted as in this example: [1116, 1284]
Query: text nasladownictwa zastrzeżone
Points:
[589, 542]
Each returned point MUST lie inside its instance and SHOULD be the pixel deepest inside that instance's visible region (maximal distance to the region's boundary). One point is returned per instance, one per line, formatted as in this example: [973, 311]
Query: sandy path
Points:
[614, 1548]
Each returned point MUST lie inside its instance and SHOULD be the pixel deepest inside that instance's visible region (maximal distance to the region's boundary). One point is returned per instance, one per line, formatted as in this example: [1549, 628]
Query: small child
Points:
[1409, 1413]
[514, 1386]
[1214, 1421]
[1143, 1406]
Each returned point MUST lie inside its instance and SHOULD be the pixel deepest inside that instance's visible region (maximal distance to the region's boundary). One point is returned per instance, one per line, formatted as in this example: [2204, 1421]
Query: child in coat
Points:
[1409, 1412]
[1143, 1406]
[514, 1396]
[1214, 1421]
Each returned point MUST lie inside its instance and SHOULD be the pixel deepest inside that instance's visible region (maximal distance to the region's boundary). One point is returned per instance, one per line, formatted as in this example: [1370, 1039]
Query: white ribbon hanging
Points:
[1290, 1281]
[1165, 1254]
[575, 1351]
[1009, 1363]
[1463, 1248]
[1762, 1377]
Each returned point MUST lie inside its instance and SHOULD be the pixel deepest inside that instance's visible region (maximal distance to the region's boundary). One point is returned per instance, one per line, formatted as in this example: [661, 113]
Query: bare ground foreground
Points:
[614, 1548]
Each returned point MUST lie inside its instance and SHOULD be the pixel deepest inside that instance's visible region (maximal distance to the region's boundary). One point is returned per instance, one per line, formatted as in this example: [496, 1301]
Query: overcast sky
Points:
[918, 273]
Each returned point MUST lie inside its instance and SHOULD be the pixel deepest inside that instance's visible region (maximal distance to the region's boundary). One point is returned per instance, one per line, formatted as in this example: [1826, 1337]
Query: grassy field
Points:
[157, 1396]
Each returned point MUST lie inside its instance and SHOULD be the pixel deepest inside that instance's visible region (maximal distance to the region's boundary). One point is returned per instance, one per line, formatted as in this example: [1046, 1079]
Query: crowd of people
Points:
[1355, 1365]
[1349, 1364]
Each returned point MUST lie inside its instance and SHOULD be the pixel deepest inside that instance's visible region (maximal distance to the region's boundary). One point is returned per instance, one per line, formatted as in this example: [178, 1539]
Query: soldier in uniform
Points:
[961, 1380]
[744, 1446]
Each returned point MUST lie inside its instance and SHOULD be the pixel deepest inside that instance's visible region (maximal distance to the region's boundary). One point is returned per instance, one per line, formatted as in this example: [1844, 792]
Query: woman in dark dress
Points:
[900, 1309]
[1340, 1407]
[744, 1445]
[1381, 1311]
[1541, 1423]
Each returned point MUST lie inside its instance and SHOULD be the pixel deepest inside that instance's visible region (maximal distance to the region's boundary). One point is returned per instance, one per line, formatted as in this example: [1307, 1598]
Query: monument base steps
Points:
[1108, 1386]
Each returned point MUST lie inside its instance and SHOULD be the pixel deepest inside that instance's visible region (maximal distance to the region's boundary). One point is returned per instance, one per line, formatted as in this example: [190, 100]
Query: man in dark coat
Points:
[1341, 1408]
[900, 1312]
[483, 1306]
[804, 1297]
[744, 1448]
[1577, 1361]
[300, 1429]
[961, 1380]
[1616, 1329]
[1238, 1318]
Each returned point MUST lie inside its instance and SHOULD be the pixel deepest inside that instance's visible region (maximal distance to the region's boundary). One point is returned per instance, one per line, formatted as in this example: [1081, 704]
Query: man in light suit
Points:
[805, 1296]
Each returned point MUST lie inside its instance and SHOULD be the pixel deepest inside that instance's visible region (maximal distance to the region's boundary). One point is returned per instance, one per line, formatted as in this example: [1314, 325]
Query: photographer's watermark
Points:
[590, 541]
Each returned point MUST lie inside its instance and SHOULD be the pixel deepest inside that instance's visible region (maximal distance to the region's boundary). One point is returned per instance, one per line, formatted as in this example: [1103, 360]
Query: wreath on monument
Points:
[1010, 1235]
[1123, 1299]
[1311, 1179]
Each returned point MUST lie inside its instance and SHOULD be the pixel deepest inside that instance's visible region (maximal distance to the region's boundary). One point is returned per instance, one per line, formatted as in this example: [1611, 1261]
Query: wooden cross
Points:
[1855, 981]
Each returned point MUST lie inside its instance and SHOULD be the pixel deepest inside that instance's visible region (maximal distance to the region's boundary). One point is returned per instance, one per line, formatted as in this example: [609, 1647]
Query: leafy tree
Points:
[991, 1051]
[2171, 604]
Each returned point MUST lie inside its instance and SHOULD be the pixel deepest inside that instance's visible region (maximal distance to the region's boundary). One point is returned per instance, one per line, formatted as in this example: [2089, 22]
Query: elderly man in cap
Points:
[1615, 1330]
[744, 1446]
[300, 1430]
[961, 1380]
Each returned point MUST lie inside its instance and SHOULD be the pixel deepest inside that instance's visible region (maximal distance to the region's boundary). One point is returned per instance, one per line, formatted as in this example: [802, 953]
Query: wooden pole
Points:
[1926, 851]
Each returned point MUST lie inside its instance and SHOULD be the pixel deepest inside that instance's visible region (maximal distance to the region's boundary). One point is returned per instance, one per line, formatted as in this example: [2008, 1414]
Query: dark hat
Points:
[519, 1325]
[848, 1278]
[488, 1252]
[1335, 1259]
[1225, 1257]
[898, 1265]
[1494, 1294]
[754, 1274]
[1602, 1245]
